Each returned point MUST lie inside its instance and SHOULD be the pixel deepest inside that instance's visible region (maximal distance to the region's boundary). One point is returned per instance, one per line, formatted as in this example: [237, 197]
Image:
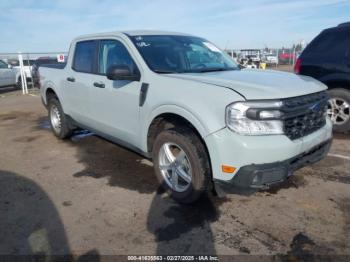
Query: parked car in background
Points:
[39, 62]
[7, 74]
[27, 66]
[181, 101]
[251, 54]
[248, 63]
[270, 59]
[327, 58]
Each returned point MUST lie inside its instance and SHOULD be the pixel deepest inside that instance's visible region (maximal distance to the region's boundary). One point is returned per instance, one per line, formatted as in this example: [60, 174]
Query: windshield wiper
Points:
[205, 70]
[164, 71]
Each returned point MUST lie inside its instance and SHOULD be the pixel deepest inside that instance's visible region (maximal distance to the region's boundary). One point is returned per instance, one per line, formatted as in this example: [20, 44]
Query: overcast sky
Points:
[49, 25]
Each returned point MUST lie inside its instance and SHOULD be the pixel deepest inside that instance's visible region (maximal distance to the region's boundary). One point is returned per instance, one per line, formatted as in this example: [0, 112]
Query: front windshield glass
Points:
[181, 54]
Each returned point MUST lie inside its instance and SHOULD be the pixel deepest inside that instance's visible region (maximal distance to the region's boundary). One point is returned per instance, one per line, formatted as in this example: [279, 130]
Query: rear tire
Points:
[338, 109]
[59, 123]
[191, 157]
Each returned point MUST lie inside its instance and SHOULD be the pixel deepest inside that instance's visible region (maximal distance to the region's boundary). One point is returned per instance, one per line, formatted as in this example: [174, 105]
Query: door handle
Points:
[71, 79]
[99, 84]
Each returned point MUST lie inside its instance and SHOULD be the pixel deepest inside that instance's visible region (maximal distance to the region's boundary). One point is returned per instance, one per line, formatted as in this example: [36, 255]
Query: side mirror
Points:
[9, 66]
[122, 72]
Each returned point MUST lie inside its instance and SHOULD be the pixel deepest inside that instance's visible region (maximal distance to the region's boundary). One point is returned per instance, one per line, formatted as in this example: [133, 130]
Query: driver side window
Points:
[113, 52]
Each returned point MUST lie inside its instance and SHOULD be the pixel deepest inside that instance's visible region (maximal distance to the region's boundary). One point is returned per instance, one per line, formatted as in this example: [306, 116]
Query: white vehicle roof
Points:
[130, 33]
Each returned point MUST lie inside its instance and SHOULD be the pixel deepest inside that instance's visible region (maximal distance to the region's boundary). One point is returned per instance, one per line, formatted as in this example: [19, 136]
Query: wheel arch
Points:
[47, 91]
[18, 76]
[167, 120]
[337, 81]
[171, 113]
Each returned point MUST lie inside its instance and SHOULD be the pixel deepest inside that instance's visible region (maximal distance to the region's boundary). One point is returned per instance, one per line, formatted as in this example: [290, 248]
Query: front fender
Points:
[18, 75]
[199, 125]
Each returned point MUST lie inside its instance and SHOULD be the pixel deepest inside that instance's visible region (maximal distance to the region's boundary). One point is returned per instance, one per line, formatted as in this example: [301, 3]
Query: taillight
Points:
[297, 66]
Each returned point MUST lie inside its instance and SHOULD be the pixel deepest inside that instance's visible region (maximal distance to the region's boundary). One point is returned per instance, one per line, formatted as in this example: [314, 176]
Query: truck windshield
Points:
[181, 54]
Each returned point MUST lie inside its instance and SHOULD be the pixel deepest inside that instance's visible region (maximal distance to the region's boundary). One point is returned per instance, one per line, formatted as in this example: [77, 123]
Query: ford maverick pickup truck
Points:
[179, 100]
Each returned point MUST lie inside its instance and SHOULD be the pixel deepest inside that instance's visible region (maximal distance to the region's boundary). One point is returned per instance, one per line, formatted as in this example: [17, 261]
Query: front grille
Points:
[304, 115]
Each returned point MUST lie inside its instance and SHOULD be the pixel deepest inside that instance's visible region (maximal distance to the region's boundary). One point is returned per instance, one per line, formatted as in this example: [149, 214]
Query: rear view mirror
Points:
[122, 72]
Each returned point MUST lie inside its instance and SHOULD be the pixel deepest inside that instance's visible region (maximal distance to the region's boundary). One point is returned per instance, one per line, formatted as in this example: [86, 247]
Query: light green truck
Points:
[182, 102]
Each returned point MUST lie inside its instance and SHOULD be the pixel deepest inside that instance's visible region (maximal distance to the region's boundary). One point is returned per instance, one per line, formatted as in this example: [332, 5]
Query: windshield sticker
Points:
[212, 47]
[142, 44]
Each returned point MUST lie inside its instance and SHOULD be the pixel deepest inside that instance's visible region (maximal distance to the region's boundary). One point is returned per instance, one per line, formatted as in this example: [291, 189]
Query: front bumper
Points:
[251, 178]
[229, 148]
[248, 153]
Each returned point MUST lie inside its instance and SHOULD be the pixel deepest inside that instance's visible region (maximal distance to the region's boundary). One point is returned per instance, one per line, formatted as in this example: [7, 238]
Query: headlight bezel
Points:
[250, 117]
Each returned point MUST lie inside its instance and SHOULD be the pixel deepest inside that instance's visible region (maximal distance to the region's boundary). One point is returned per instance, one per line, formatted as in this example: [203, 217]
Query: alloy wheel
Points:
[55, 118]
[175, 167]
[338, 110]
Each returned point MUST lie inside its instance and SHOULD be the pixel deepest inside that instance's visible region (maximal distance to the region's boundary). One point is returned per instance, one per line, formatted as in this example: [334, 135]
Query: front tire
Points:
[60, 125]
[181, 164]
[18, 85]
[339, 109]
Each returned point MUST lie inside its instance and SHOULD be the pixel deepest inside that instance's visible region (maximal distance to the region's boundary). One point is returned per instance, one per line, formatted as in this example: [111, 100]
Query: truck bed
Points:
[57, 66]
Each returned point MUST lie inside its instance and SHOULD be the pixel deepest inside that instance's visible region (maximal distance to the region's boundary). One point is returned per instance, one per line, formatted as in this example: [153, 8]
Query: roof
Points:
[344, 24]
[151, 32]
[131, 33]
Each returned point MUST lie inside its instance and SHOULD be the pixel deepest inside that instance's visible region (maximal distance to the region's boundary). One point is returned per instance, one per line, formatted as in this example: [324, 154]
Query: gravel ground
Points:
[88, 196]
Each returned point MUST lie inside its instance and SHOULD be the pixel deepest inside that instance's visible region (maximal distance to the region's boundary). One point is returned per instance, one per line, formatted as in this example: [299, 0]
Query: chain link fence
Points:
[270, 58]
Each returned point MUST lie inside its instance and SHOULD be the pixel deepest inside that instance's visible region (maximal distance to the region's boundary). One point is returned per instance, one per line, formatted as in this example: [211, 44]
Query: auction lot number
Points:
[173, 258]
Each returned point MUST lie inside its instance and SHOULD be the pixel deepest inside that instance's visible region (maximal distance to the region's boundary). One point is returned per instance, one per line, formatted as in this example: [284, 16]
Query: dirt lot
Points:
[86, 195]
[286, 68]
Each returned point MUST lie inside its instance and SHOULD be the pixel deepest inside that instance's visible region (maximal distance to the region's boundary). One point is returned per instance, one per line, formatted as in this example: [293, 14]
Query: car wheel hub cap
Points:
[55, 118]
[175, 167]
[338, 111]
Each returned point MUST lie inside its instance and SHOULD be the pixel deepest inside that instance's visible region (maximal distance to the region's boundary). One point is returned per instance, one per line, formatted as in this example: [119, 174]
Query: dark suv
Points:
[327, 58]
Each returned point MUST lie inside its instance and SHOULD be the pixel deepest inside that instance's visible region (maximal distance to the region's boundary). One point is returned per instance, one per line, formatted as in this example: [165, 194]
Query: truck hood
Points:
[258, 84]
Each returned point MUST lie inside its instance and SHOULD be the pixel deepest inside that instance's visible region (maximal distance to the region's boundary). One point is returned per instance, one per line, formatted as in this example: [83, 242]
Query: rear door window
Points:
[84, 56]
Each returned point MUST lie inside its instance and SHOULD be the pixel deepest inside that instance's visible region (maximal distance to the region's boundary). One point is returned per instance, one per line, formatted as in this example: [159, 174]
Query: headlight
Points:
[255, 118]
